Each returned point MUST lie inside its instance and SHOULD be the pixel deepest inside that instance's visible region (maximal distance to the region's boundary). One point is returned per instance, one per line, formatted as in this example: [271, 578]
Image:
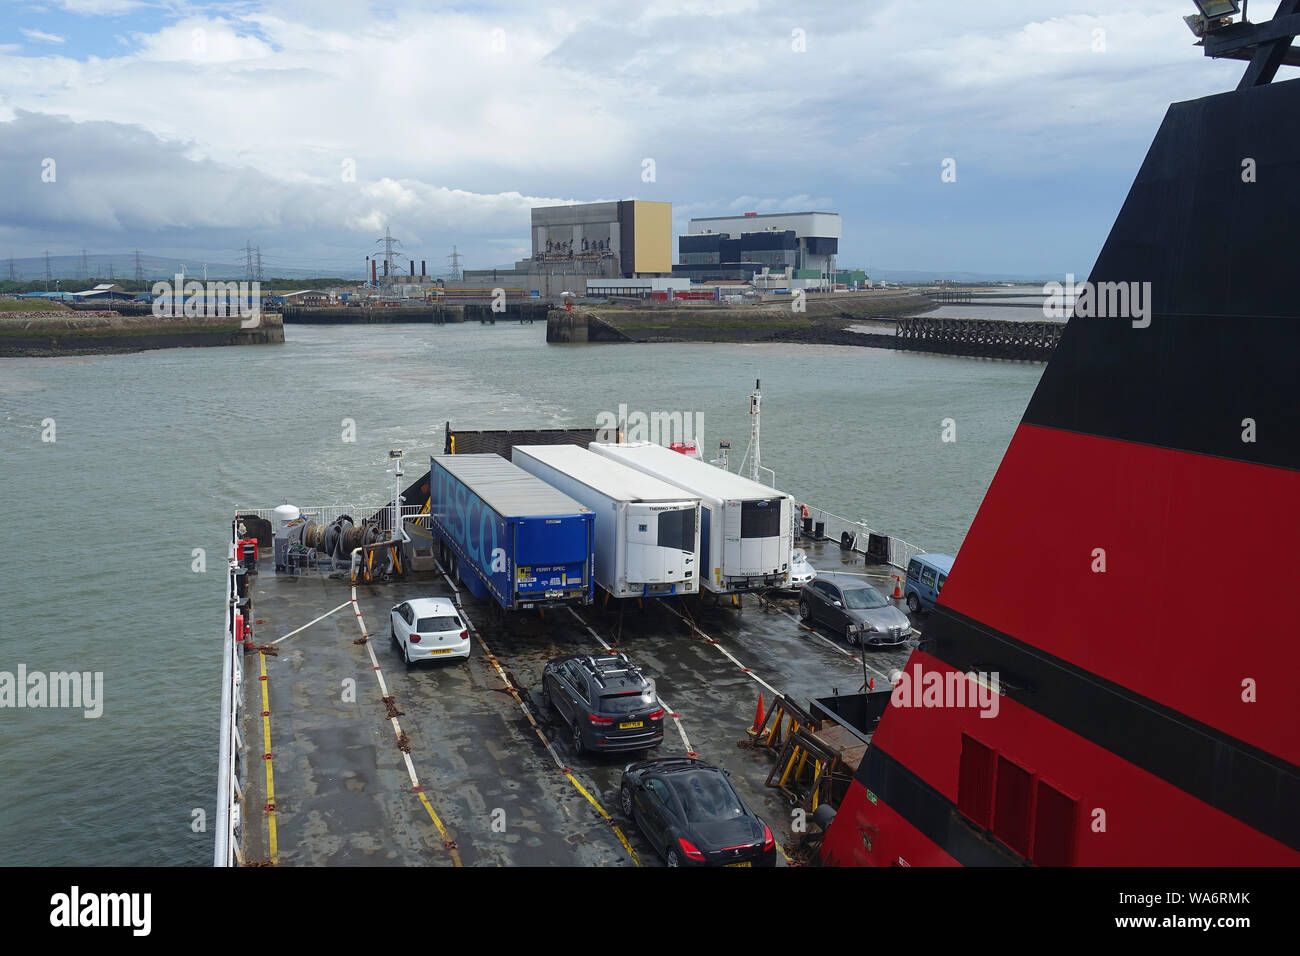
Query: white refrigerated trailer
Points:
[647, 530]
[746, 528]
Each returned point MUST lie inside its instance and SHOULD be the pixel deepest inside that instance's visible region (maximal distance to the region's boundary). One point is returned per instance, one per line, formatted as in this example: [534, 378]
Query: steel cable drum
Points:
[334, 533]
[313, 536]
[352, 537]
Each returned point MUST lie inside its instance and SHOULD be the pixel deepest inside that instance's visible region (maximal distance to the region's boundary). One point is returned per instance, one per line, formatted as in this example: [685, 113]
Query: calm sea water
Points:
[153, 451]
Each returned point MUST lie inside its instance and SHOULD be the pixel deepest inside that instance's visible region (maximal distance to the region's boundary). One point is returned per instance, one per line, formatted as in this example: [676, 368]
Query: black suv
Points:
[608, 703]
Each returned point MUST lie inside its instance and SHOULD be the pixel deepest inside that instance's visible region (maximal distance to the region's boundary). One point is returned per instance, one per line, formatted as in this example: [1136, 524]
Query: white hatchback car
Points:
[427, 629]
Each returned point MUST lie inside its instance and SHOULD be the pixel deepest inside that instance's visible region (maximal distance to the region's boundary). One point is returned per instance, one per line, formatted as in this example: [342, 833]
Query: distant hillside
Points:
[69, 270]
[117, 266]
[270, 284]
[927, 276]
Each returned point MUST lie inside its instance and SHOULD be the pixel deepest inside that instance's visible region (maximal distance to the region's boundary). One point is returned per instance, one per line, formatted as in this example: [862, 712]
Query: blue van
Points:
[925, 576]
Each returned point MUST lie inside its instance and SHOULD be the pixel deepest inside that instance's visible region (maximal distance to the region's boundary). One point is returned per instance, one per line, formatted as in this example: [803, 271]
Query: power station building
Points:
[626, 239]
[799, 244]
[625, 248]
[620, 239]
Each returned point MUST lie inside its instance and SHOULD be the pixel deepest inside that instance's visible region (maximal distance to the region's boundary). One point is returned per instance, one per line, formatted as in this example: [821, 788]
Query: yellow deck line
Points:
[272, 843]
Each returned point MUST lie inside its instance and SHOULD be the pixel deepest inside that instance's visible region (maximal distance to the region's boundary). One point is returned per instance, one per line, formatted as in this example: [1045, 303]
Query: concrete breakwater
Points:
[820, 319]
[432, 314]
[61, 333]
[1027, 341]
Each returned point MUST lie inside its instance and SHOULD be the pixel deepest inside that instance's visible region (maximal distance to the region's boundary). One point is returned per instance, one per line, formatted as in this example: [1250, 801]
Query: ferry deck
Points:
[469, 766]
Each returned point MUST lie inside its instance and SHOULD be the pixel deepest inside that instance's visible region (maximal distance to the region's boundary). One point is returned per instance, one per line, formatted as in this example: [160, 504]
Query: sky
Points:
[307, 127]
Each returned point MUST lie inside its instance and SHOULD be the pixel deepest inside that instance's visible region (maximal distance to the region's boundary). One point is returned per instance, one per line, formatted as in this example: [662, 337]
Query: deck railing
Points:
[857, 535]
[226, 849]
[328, 514]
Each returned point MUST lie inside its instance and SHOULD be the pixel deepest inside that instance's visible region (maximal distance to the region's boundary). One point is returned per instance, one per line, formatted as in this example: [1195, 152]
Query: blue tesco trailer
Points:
[509, 536]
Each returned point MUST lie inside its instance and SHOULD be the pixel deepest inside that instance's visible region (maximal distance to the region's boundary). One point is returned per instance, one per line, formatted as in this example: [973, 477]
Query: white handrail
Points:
[224, 844]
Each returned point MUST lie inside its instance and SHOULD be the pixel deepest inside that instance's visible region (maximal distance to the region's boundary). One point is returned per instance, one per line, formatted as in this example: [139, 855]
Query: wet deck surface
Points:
[343, 790]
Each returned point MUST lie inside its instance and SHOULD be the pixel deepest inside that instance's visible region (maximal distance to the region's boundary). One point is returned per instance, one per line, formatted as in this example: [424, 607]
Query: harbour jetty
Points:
[890, 323]
[434, 313]
[821, 320]
[47, 333]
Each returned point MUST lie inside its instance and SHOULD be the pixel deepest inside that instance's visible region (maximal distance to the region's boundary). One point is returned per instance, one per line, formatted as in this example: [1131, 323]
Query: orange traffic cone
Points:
[759, 716]
[898, 589]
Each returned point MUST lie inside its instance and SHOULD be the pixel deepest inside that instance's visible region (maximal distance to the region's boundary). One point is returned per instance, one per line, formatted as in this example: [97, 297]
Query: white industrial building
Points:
[717, 246]
[637, 287]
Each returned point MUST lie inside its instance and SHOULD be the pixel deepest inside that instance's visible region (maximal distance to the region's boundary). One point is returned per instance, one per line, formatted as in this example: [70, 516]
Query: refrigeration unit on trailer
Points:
[647, 531]
[510, 536]
[745, 527]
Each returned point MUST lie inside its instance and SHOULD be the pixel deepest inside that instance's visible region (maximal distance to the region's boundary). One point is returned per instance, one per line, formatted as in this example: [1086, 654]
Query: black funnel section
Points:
[1212, 223]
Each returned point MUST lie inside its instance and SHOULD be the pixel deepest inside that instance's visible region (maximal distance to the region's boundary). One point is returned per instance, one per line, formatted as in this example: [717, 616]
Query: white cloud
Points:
[99, 8]
[450, 126]
[800, 203]
[40, 36]
[118, 181]
[202, 41]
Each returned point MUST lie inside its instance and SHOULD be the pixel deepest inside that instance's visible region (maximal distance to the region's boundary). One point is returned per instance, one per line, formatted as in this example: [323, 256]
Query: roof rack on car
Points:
[600, 673]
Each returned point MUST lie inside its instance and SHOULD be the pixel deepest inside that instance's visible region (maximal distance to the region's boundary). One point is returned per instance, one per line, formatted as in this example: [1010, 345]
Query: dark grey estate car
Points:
[608, 703]
[853, 609]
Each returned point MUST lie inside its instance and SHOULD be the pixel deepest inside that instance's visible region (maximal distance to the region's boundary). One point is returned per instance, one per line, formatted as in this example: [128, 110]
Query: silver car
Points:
[801, 569]
[854, 609]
